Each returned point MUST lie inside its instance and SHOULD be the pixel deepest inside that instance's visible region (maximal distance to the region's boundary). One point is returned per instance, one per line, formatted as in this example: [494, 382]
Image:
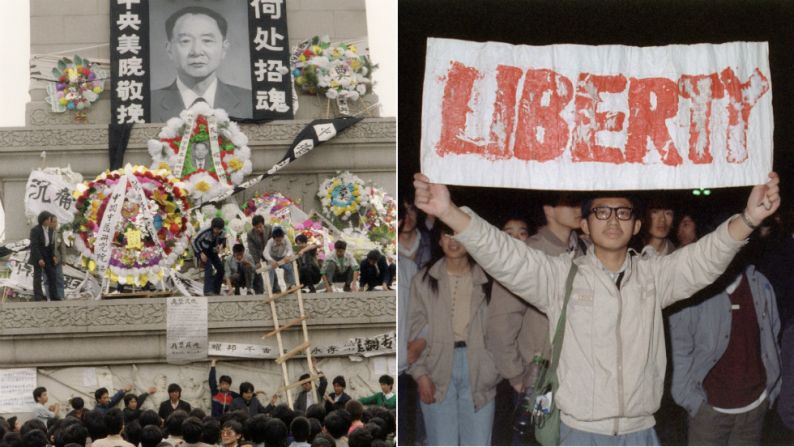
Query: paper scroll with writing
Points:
[16, 389]
[186, 338]
[581, 117]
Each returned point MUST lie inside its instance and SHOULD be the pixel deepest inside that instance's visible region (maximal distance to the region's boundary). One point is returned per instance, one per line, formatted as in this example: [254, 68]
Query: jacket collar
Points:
[592, 259]
[440, 268]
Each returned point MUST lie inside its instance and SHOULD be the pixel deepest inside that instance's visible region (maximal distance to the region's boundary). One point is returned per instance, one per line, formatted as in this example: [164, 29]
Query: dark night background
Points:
[594, 22]
[599, 22]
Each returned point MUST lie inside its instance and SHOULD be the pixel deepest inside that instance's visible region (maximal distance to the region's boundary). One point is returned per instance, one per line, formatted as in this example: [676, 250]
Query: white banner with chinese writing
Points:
[50, 190]
[358, 346]
[16, 389]
[186, 336]
[579, 117]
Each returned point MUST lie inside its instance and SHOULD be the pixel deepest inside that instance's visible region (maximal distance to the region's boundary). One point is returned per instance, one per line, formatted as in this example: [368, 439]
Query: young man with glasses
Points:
[612, 364]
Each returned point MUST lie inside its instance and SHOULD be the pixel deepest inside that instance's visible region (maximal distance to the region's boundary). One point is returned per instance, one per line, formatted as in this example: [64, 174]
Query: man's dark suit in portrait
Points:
[41, 256]
[197, 45]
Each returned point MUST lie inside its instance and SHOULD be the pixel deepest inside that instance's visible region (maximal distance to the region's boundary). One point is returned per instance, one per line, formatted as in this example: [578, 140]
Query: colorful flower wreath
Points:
[336, 70]
[78, 84]
[380, 219]
[343, 197]
[274, 206]
[203, 179]
[136, 257]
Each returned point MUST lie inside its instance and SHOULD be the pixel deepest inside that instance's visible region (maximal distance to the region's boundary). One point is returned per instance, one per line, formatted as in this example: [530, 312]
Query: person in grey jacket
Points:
[256, 239]
[612, 364]
[455, 374]
[726, 358]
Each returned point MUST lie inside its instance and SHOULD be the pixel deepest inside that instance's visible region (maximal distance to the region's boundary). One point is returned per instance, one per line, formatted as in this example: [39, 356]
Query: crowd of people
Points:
[482, 300]
[266, 249]
[234, 420]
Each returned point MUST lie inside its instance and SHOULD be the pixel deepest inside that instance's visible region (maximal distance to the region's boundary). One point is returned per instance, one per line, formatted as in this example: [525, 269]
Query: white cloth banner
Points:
[16, 389]
[49, 191]
[107, 228]
[611, 117]
[186, 335]
[358, 346]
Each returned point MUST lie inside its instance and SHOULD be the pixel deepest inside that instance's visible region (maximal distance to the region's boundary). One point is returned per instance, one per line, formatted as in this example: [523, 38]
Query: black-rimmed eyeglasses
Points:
[605, 212]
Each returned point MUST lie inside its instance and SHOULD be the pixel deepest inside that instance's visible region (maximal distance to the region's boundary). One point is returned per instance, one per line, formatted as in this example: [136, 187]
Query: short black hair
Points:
[210, 431]
[170, 22]
[234, 425]
[77, 403]
[339, 380]
[336, 424]
[173, 424]
[173, 387]
[373, 255]
[257, 219]
[386, 380]
[150, 417]
[316, 411]
[133, 432]
[238, 248]
[300, 429]
[316, 427]
[74, 433]
[278, 232]
[128, 398]
[256, 428]
[225, 379]
[197, 413]
[276, 433]
[99, 393]
[191, 430]
[34, 438]
[355, 409]
[217, 222]
[323, 440]
[340, 245]
[43, 216]
[360, 437]
[304, 376]
[38, 392]
[302, 239]
[246, 387]
[114, 421]
[151, 436]
[32, 424]
[95, 424]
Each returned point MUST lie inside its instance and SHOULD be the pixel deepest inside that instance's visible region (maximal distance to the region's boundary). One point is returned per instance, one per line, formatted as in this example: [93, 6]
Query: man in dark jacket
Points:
[257, 238]
[248, 402]
[222, 397]
[103, 400]
[207, 245]
[173, 403]
[374, 271]
[42, 256]
[132, 405]
[305, 398]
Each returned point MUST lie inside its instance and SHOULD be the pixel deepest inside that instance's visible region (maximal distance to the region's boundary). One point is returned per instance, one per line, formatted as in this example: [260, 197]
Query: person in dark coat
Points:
[42, 256]
[248, 402]
[337, 399]
[304, 399]
[173, 403]
[132, 405]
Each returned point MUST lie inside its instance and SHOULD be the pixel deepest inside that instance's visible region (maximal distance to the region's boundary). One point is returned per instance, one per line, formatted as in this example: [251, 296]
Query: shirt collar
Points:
[189, 96]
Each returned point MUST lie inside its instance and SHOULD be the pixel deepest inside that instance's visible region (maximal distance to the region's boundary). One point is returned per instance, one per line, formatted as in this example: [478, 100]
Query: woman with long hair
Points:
[455, 373]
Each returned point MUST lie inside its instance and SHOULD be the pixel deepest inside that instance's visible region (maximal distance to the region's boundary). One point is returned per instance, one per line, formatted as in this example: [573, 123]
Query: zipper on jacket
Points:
[616, 428]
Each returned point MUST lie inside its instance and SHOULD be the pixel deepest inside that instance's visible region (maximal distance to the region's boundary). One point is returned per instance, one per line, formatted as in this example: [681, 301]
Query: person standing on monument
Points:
[42, 256]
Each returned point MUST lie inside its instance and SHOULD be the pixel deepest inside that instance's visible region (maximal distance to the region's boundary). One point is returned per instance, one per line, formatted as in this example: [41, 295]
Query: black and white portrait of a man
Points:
[205, 57]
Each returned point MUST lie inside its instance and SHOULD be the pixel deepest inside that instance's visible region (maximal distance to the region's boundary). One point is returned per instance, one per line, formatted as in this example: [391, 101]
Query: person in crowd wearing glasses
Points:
[612, 364]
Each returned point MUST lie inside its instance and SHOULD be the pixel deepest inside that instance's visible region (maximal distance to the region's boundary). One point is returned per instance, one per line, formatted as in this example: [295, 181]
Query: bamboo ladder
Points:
[278, 329]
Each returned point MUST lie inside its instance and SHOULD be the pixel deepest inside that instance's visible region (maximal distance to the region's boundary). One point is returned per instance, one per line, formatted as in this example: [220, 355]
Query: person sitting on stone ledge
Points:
[132, 405]
[308, 266]
[239, 271]
[174, 402]
[340, 266]
[374, 271]
[103, 400]
[278, 252]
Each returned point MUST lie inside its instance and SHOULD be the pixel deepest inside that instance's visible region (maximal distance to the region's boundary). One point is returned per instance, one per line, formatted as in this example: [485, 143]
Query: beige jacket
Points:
[517, 330]
[433, 311]
[612, 365]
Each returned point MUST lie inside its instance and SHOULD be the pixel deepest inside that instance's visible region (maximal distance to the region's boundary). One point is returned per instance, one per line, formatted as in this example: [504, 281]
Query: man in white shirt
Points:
[41, 412]
[197, 45]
